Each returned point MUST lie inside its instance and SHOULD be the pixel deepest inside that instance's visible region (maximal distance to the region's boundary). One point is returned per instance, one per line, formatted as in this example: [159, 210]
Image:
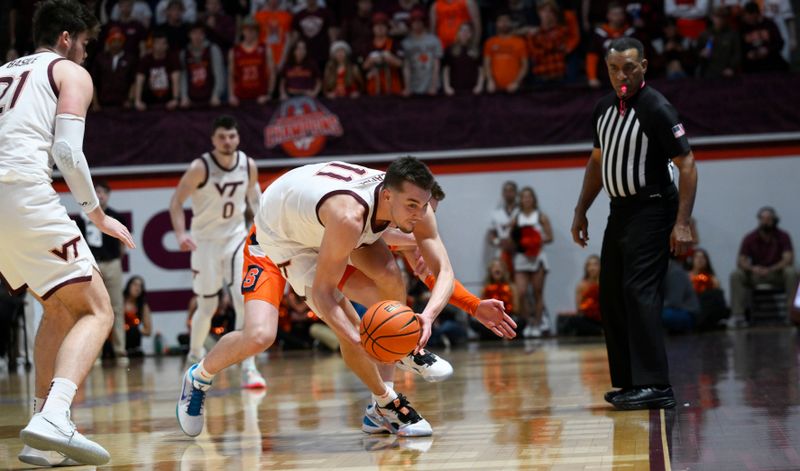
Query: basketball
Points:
[389, 331]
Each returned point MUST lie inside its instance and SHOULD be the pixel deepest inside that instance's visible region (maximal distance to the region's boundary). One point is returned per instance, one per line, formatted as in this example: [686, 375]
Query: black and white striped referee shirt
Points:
[638, 139]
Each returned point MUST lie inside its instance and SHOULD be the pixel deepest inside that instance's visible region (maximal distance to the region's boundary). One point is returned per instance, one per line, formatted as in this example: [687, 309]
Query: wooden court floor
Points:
[519, 405]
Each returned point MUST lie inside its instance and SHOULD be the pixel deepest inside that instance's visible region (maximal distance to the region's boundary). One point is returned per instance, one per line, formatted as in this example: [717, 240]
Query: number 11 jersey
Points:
[288, 216]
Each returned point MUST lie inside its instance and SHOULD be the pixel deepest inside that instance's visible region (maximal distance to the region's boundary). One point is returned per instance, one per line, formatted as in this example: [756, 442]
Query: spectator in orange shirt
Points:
[342, 77]
[448, 15]
[550, 43]
[505, 58]
[251, 70]
[275, 24]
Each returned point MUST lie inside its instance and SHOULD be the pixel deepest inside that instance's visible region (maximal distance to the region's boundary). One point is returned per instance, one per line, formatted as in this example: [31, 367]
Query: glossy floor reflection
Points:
[523, 405]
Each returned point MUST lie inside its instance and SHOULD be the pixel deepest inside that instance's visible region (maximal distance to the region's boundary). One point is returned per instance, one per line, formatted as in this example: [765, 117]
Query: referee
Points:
[638, 139]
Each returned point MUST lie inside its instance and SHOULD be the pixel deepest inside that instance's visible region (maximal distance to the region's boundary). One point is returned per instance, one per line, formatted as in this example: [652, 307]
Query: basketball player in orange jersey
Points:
[221, 184]
[43, 103]
[264, 283]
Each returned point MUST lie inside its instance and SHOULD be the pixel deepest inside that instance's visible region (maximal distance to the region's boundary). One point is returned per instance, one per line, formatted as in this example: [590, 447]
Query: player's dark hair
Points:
[437, 192]
[102, 184]
[411, 170]
[224, 122]
[624, 43]
[53, 17]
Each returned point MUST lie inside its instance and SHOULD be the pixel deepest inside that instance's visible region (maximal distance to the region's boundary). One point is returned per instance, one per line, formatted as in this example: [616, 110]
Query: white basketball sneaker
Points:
[427, 364]
[399, 418]
[372, 422]
[52, 431]
[190, 407]
[252, 379]
[36, 457]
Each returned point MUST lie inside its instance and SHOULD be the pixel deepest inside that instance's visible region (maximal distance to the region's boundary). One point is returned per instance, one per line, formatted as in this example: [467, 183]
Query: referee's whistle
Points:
[624, 90]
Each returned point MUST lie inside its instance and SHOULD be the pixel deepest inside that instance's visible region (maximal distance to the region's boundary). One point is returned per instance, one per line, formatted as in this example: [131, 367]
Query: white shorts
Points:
[216, 263]
[299, 267]
[42, 248]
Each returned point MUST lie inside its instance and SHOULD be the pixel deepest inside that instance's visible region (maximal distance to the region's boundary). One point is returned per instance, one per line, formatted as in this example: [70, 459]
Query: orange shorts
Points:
[261, 278]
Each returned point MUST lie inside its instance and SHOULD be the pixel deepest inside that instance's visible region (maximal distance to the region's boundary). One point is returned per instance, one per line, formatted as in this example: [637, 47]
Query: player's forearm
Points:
[440, 293]
[177, 217]
[461, 297]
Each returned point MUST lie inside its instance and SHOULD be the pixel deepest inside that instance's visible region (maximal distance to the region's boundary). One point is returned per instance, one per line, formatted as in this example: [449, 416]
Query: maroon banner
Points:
[743, 105]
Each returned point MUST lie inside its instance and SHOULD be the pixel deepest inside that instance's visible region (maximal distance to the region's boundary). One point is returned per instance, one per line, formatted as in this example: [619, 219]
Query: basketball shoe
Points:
[398, 417]
[252, 379]
[36, 457]
[190, 406]
[53, 431]
[427, 364]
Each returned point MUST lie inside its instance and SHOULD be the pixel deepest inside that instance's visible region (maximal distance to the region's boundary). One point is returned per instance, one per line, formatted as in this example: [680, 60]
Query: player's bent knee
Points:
[259, 338]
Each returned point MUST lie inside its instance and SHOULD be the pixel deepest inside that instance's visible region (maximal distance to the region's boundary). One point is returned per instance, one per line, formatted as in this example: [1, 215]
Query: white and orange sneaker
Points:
[252, 379]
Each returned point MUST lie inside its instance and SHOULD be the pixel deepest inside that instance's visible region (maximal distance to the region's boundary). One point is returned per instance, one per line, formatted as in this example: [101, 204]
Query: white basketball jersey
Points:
[219, 204]
[288, 215]
[28, 99]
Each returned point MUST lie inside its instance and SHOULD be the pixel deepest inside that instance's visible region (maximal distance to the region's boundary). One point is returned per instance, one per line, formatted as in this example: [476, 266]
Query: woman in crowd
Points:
[342, 77]
[462, 64]
[300, 75]
[138, 321]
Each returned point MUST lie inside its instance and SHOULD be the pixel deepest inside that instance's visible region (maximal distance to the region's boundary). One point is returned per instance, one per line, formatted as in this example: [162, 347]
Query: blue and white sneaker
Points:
[373, 422]
[190, 407]
[398, 418]
[427, 364]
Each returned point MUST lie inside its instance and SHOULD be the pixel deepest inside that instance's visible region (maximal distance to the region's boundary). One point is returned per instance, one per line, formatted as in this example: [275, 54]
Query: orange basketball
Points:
[389, 331]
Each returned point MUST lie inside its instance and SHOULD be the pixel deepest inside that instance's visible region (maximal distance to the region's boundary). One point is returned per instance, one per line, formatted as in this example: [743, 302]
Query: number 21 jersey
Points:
[28, 99]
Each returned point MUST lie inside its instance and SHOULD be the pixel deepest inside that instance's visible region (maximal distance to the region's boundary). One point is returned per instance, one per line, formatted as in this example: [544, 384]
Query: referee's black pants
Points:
[633, 264]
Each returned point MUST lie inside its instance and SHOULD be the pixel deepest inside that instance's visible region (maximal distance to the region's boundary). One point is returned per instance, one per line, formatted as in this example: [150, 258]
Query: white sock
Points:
[249, 363]
[59, 398]
[386, 398]
[38, 403]
[201, 374]
[389, 384]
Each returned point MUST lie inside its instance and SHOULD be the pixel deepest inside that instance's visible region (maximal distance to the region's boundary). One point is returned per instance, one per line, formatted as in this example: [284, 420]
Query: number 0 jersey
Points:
[28, 99]
[288, 216]
[219, 204]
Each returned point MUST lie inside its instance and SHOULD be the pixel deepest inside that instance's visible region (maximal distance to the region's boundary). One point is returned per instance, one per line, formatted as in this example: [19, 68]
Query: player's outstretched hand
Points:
[492, 315]
[425, 334]
[114, 228]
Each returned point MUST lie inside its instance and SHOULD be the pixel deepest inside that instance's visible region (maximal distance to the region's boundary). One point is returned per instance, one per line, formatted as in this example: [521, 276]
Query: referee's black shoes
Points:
[610, 395]
[645, 397]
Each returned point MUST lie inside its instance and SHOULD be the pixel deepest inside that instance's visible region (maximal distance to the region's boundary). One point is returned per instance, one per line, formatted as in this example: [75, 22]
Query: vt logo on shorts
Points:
[63, 252]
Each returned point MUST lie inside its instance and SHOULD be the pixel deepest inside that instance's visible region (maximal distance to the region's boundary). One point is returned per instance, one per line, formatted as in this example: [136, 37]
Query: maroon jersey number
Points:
[336, 170]
[6, 83]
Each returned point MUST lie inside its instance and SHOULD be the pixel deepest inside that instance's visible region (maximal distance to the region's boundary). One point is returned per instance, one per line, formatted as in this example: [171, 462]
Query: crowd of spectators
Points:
[185, 53]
